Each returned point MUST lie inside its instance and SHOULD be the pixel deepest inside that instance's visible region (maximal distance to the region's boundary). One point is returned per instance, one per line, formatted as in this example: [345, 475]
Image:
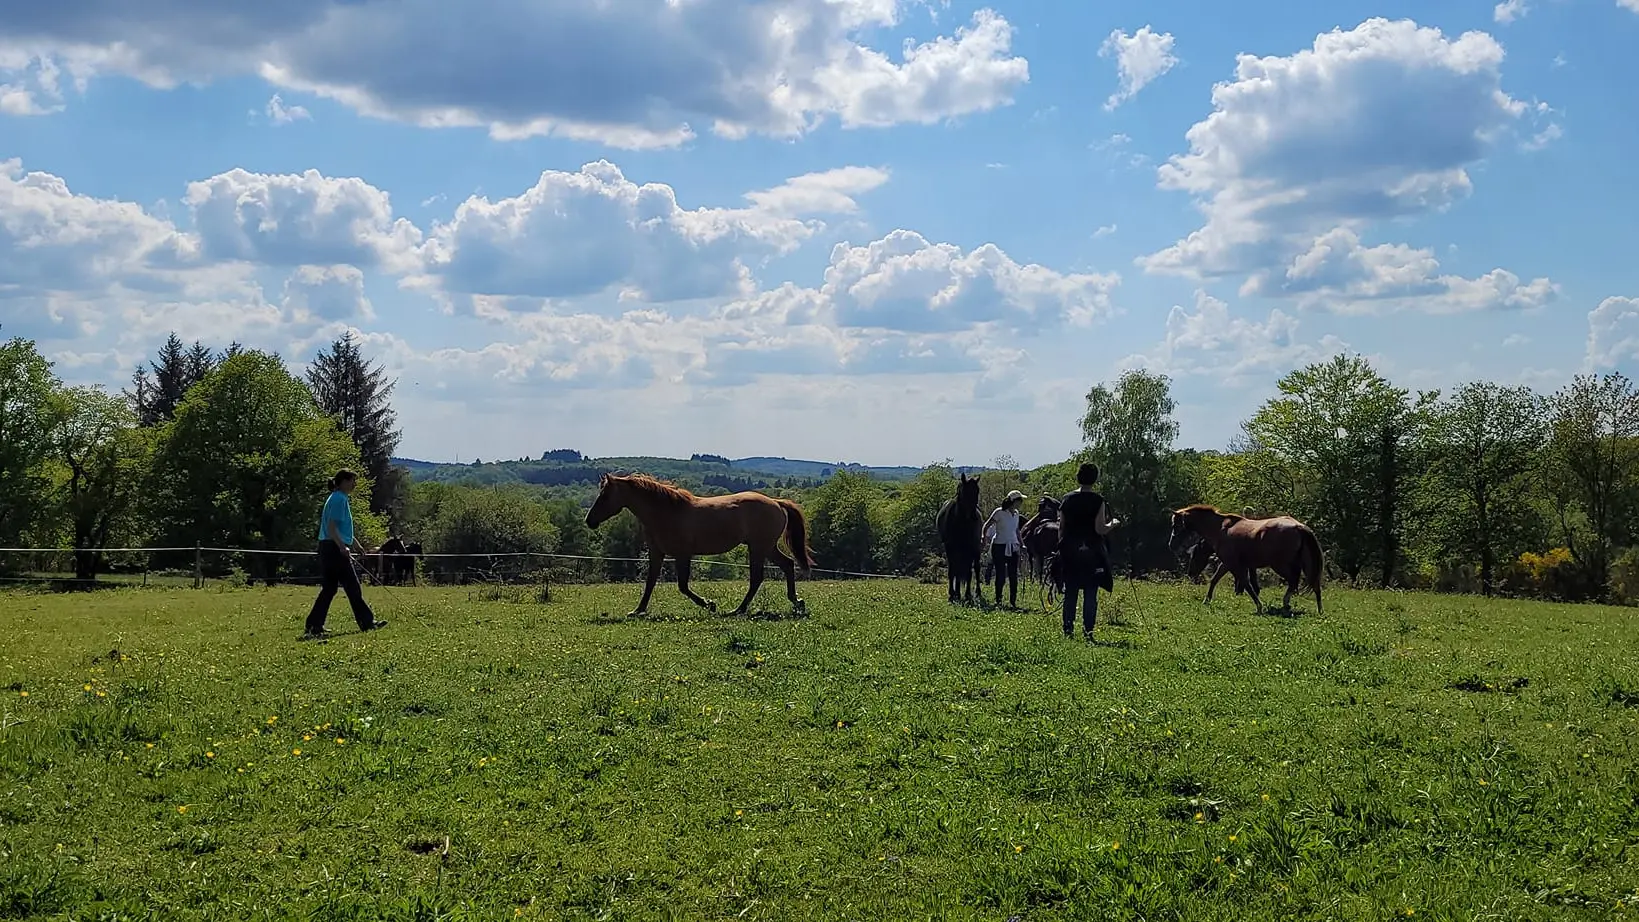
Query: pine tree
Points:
[356, 391]
[156, 391]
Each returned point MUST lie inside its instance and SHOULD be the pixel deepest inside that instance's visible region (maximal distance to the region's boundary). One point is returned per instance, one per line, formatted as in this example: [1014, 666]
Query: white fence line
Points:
[488, 556]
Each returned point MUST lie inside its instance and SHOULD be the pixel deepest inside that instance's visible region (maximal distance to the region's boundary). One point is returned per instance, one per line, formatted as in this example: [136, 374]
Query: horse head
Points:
[1185, 533]
[609, 503]
[967, 494]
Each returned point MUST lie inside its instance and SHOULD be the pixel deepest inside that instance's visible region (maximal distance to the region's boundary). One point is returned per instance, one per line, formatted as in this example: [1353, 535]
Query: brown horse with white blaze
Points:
[680, 525]
[1243, 545]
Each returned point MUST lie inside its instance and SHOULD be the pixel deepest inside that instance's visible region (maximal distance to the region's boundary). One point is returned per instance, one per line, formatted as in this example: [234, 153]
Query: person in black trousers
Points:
[1084, 520]
[336, 560]
[1003, 530]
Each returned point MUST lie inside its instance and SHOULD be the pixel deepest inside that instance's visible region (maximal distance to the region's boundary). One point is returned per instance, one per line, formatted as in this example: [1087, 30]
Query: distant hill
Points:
[565, 467]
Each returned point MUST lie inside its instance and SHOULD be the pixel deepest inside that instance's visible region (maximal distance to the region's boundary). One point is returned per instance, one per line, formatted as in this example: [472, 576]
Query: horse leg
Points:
[656, 558]
[953, 579]
[1218, 575]
[785, 563]
[1252, 588]
[683, 565]
[756, 581]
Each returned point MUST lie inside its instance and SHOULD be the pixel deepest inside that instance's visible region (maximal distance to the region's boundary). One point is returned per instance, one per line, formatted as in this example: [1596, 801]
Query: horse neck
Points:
[1211, 529]
[646, 506]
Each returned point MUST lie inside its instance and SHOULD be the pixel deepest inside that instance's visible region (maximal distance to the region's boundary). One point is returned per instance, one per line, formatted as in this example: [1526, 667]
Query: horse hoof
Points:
[711, 607]
[639, 613]
[799, 606]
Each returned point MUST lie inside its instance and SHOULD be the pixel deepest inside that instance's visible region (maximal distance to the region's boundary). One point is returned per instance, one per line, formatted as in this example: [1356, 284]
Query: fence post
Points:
[198, 566]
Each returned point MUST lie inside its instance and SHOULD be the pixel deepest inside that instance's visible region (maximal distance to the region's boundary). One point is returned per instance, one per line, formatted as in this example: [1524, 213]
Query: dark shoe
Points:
[376, 625]
[321, 634]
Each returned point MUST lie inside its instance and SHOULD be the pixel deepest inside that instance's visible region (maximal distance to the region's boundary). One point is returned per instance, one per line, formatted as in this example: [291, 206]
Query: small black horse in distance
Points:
[398, 560]
[960, 530]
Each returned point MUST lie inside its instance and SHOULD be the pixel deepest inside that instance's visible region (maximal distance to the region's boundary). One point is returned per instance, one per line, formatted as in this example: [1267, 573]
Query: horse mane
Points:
[659, 489]
[1197, 508]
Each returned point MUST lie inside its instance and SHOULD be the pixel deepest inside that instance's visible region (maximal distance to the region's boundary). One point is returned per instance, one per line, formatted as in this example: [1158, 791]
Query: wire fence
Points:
[201, 565]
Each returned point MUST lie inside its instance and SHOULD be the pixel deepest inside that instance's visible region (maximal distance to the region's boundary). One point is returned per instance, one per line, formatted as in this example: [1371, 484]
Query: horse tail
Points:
[796, 533]
[1311, 561]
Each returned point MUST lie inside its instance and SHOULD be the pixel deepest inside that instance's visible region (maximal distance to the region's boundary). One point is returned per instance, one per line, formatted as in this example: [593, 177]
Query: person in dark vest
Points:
[1084, 520]
[336, 560]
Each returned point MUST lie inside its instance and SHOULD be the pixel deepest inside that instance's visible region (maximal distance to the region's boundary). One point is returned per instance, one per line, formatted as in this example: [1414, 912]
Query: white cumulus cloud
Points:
[1379, 122]
[629, 73]
[904, 282]
[299, 219]
[1613, 334]
[1209, 339]
[577, 234]
[1140, 58]
[280, 114]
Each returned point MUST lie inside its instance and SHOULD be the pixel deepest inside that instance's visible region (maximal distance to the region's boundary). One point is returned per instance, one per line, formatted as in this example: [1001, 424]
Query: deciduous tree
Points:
[1484, 445]
[1592, 470]
[28, 411]
[103, 458]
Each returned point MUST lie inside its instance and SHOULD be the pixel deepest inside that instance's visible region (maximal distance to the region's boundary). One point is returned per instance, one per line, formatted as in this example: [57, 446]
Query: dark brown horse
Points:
[1199, 558]
[960, 526]
[680, 525]
[1040, 535]
[1243, 545]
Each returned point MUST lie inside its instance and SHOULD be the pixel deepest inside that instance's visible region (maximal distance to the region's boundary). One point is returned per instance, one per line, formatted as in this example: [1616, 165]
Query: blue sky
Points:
[766, 227]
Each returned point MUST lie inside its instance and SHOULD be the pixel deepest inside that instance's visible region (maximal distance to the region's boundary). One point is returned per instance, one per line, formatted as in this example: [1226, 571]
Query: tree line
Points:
[1487, 489]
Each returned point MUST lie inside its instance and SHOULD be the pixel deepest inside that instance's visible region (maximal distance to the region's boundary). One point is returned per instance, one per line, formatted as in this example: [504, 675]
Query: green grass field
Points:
[178, 754]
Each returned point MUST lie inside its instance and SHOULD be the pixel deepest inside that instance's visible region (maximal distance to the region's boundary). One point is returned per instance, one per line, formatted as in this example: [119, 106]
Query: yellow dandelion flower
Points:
[101, 693]
[1484, 783]
[1199, 817]
[210, 755]
[241, 771]
[22, 694]
[739, 813]
[1217, 859]
[295, 752]
[149, 745]
[1266, 798]
[272, 720]
[182, 809]
[306, 737]
[1231, 838]
[87, 686]
[1018, 848]
[340, 741]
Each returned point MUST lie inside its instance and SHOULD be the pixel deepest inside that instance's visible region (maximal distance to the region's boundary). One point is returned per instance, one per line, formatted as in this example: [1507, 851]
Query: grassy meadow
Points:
[178, 754]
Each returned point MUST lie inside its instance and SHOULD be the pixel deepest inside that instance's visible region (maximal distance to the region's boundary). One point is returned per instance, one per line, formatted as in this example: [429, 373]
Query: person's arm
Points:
[1104, 523]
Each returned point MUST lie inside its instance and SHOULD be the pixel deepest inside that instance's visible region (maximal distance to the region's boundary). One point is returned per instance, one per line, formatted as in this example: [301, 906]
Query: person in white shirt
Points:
[1003, 530]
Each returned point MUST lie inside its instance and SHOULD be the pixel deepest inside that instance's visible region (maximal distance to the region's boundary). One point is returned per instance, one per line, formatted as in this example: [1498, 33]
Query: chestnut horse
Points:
[1243, 545]
[678, 524]
[960, 526]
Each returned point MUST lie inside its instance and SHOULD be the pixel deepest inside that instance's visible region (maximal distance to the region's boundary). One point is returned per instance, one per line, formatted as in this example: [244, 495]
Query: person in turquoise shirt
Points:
[336, 560]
